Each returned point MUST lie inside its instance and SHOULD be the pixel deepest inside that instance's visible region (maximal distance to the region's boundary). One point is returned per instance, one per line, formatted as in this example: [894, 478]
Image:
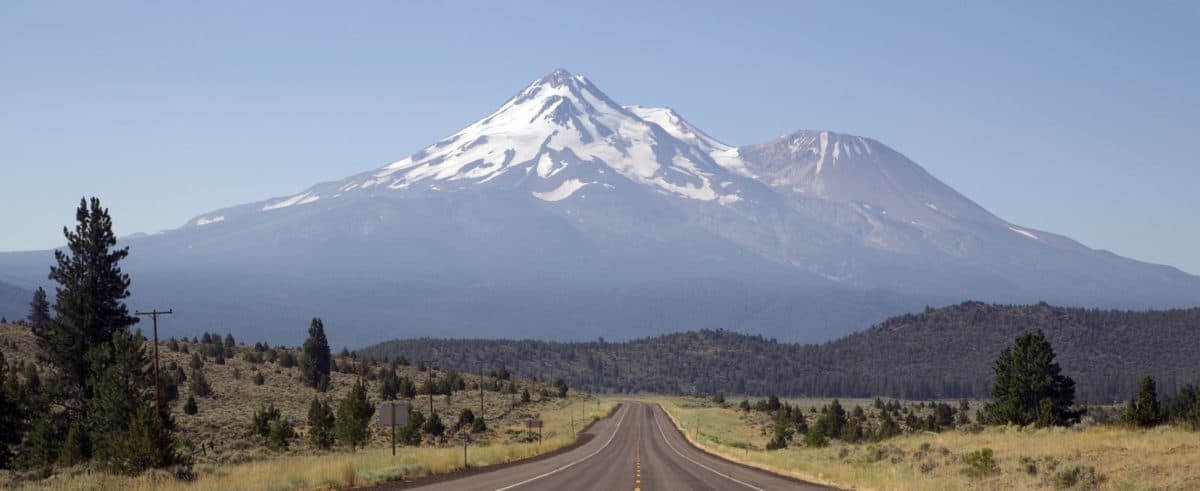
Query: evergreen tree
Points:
[74, 448]
[190, 408]
[261, 424]
[834, 420]
[314, 361]
[478, 425]
[148, 443]
[353, 417]
[434, 425]
[1029, 386]
[783, 432]
[321, 424]
[40, 451]
[1145, 411]
[466, 418]
[259, 379]
[89, 306]
[229, 342]
[525, 396]
[199, 385]
[887, 427]
[411, 434]
[10, 414]
[39, 312]
[280, 435]
[122, 387]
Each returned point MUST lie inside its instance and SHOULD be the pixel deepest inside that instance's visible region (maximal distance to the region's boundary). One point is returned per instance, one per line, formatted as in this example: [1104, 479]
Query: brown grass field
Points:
[1087, 456]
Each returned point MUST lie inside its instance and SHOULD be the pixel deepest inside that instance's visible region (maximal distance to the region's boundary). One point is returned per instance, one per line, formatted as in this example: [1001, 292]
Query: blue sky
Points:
[1072, 117]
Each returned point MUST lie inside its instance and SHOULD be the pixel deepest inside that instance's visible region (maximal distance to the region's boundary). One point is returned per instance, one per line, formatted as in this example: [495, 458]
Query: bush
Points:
[980, 463]
[259, 379]
[1077, 475]
[190, 407]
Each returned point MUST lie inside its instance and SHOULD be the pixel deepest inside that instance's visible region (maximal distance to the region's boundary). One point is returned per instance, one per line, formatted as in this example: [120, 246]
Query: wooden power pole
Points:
[157, 381]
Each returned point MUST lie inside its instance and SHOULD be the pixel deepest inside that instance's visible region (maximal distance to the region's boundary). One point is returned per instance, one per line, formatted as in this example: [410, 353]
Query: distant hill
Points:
[14, 302]
[939, 353]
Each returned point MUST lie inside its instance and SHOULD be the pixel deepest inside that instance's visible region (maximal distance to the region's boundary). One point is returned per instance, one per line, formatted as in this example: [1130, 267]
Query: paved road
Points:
[638, 449]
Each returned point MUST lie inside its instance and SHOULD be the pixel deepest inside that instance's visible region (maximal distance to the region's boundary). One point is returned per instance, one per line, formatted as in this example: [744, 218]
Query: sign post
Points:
[536, 423]
[392, 414]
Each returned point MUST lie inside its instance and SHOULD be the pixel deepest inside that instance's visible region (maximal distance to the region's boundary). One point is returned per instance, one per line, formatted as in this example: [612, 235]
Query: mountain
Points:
[14, 302]
[566, 215]
[939, 353]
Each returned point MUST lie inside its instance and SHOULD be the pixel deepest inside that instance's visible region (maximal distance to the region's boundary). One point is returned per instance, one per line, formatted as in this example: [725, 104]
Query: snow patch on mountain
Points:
[299, 199]
[563, 191]
[205, 220]
[1024, 232]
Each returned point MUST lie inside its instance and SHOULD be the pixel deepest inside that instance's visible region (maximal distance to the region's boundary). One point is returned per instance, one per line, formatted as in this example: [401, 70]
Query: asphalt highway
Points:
[637, 448]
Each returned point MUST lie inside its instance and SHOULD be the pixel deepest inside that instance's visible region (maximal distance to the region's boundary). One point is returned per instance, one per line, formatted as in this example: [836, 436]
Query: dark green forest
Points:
[939, 353]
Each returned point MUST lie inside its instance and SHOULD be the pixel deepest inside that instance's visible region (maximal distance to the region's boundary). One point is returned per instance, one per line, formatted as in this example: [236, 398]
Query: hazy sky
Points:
[1072, 117]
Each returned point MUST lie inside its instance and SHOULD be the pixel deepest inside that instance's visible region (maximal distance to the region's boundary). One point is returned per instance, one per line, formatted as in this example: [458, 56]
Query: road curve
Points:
[639, 449]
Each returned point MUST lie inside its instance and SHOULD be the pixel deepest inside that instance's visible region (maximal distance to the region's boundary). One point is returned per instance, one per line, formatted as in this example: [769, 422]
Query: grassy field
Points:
[1083, 457]
[228, 457]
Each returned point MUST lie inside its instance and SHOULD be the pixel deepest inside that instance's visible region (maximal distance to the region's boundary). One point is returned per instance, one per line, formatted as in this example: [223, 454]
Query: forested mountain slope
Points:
[946, 352]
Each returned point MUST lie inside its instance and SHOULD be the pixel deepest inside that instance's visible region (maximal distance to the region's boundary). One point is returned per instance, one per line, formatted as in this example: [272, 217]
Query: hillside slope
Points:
[944, 352]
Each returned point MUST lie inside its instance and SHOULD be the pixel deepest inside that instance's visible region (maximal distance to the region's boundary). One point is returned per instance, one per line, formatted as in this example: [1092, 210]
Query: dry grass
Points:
[1084, 457]
[228, 458]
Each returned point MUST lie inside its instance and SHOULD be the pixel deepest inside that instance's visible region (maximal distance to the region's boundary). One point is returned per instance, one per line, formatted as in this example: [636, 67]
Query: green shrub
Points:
[980, 463]
[1077, 476]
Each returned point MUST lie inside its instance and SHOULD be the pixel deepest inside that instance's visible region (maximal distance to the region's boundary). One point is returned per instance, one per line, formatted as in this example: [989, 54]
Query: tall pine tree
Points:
[89, 306]
[314, 362]
[354, 417]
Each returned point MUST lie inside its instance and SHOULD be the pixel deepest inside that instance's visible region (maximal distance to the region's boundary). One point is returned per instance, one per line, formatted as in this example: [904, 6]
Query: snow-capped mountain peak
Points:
[560, 121]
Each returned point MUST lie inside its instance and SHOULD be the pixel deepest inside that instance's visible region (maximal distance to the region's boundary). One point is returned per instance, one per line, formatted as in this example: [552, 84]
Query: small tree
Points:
[261, 424]
[314, 361]
[525, 396]
[1146, 411]
[465, 418]
[320, 424]
[1030, 387]
[199, 385]
[280, 435]
[353, 417]
[434, 425]
[148, 444]
[189, 407]
[783, 432]
[259, 379]
[39, 311]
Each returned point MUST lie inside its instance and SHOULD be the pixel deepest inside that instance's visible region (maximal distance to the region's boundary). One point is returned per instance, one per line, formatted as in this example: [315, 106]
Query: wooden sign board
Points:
[392, 413]
[534, 423]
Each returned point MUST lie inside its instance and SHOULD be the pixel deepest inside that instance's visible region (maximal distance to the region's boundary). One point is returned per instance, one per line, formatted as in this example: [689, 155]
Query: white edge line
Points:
[689, 459]
[593, 454]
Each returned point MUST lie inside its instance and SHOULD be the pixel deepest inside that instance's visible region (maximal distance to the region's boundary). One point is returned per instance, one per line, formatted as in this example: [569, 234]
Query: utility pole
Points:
[480, 390]
[157, 381]
[429, 365]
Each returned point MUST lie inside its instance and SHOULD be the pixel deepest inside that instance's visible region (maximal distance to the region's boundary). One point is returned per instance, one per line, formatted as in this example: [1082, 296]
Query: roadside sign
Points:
[534, 423]
[392, 414]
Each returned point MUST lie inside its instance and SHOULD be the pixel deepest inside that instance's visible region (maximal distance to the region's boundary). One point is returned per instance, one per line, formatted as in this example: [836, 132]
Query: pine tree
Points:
[75, 447]
[1029, 386]
[261, 423]
[190, 408]
[39, 312]
[121, 388]
[783, 432]
[353, 417]
[1146, 411]
[320, 424]
[147, 444]
[89, 306]
[314, 362]
[199, 385]
[887, 427]
[434, 425]
[466, 418]
[280, 435]
[411, 434]
[10, 414]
